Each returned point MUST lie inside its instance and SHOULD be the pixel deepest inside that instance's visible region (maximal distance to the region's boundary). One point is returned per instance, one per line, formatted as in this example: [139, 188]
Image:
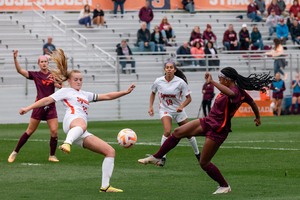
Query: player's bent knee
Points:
[110, 152]
[167, 133]
[177, 133]
[203, 164]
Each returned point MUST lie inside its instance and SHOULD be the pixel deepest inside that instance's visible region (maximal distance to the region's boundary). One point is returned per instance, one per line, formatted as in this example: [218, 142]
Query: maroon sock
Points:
[23, 139]
[215, 174]
[293, 108]
[169, 144]
[298, 109]
[53, 145]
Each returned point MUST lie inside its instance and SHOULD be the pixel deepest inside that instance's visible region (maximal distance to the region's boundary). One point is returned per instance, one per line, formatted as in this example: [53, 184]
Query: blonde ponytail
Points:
[61, 70]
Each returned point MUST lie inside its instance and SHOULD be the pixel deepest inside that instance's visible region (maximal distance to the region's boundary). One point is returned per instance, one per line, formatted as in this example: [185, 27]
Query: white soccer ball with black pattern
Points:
[126, 138]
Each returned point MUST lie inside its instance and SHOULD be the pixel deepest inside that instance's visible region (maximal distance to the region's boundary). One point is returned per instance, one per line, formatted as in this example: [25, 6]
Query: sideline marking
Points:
[30, 164]
[186, 144]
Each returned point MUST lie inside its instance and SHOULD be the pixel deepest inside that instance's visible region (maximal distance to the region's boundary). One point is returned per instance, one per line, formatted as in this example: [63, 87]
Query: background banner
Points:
[226, 5]
[246, 111]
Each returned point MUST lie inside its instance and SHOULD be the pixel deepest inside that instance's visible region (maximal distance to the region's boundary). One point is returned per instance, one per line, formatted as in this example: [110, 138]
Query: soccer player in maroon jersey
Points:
[45, 84]
[216, 126]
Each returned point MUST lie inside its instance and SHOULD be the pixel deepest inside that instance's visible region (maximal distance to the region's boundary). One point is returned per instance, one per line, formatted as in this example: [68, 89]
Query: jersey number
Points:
[169, 102]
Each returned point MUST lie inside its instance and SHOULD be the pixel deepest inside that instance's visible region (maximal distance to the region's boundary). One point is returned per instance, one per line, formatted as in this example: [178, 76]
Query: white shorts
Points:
[176, 116]
[66, 126]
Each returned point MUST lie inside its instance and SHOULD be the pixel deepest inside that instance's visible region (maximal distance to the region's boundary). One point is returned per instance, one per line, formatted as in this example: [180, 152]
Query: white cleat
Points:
[151, 160]
[12, 156]
[222, 190]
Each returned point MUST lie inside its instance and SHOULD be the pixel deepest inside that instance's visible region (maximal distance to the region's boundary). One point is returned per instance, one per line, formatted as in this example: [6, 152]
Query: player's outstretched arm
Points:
[225, 90]
[152, 98]
[18, 67]
[256, 112]
[184, 104]
[114, 95]
[40, 103]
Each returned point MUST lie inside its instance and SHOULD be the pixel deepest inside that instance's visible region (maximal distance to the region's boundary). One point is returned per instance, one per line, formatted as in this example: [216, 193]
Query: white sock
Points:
[107, 169]
[73, 134]
[163, 139]
[194, 145]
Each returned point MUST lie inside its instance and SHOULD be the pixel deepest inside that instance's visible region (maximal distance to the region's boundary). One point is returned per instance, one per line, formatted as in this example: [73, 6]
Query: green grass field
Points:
[258, 163]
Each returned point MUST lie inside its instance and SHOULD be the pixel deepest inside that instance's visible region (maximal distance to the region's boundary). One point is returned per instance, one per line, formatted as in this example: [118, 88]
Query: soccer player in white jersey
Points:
[76, 103]
[170, 89]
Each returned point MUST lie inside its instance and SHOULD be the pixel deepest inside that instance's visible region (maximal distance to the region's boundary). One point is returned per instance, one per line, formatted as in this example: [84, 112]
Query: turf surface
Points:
[258, 163]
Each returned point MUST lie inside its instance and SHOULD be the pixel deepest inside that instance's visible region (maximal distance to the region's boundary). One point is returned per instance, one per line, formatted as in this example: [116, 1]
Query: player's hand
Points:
[208, 77]
[179, 109]
[257, 122]
[15, 53]
[23, 111]
[130, 88]
[151, 111]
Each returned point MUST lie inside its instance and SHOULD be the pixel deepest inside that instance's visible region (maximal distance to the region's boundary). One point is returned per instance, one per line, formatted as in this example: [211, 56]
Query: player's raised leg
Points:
[97, 145]
[53, 126]
[33, 124]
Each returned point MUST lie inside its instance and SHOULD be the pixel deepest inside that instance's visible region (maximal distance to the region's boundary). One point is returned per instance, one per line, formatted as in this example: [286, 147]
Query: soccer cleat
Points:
[198, 156]
[12, 156]
[110, 189]
[65, 147]
[151, 160]
[53, 159]
[222, 190]
[163, 161]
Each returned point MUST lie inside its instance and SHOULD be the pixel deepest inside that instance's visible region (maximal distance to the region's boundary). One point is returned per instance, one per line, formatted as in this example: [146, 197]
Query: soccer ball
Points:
[127, 138]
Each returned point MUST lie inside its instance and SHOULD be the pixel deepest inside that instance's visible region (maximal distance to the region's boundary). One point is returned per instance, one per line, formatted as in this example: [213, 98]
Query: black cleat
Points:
[198, 156]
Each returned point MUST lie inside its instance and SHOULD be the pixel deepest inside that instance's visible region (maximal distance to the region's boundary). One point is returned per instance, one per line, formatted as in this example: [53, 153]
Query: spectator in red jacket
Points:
[208, 35]
[196, 36]
[166, 29]
[274, 6]
[295, 8]
[253, 12]
[230, 39]
[146, 14]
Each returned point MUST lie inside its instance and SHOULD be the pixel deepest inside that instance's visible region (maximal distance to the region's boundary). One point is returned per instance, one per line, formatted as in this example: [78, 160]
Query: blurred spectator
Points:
[146, 14]
[275, 7]
[282, 6]
[182, 53]
[278, 87]
[290, 20]
[296, 94]
[256, 38]
[244, 37]
[253, 12]
[124, 50]
[144, 38]
[230, 39]
[295, 8]
[116, 4]
[48, 48]
[98, 17]
[85, 17]
[189, 5]
[277, 52]
[272, 21]
[200, 55]
[208, 35]
[295, 32]
[211, 53]
[166, 29]
[157, 38]
[196, 36]
[282, 31]
[208, 93]
[298, 16]
[262, 6]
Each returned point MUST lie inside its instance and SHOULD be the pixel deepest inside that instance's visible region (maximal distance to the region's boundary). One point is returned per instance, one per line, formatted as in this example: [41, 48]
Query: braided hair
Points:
[178, 72]
[252, 82]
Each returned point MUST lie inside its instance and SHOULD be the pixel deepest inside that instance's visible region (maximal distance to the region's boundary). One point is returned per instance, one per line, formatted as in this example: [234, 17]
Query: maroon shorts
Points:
[218, 137]
[278, 95]
[297, 94]
[44, 113]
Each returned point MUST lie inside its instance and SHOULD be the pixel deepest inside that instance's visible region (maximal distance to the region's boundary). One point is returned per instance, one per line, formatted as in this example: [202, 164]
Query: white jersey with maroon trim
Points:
[170, 93]
[75, 101]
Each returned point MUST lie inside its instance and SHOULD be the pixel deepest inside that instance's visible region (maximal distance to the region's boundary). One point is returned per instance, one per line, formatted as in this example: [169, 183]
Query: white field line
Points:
[186, 144]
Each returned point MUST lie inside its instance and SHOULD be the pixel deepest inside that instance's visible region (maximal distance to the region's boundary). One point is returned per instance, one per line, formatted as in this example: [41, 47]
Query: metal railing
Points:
[80, 37]
[57, 26]
[44, 17]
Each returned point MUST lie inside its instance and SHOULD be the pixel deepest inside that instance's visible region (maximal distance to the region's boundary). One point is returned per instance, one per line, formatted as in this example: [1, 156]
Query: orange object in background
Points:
[246, 111]
[265, 96]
